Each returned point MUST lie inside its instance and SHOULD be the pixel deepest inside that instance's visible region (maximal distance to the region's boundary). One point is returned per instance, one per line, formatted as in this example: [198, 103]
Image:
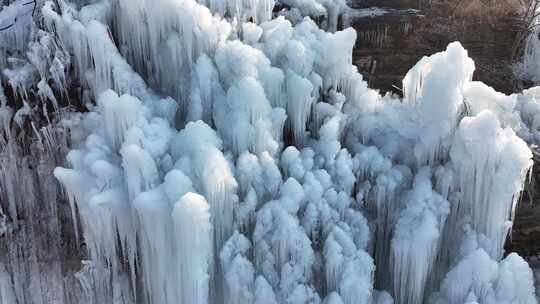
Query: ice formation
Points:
[220, 152]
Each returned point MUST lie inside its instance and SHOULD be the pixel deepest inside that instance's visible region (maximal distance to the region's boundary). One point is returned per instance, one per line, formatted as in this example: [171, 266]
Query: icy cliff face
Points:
[225, 161]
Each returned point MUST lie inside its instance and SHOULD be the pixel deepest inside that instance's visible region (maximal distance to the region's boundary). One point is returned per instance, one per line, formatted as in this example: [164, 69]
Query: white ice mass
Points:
[219, 153]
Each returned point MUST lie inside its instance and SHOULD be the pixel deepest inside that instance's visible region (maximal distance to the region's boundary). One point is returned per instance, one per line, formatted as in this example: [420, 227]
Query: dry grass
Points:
[485, 8]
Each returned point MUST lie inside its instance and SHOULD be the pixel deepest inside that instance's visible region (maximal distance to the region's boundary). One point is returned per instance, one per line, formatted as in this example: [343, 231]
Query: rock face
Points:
[39, 252]
[393, 39]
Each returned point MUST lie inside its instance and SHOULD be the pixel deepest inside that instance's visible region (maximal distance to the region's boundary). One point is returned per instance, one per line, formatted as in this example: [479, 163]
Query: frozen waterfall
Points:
[214, 152]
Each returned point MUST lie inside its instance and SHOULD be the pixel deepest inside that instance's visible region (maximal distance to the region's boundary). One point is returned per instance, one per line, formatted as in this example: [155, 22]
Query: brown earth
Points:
[389, 45]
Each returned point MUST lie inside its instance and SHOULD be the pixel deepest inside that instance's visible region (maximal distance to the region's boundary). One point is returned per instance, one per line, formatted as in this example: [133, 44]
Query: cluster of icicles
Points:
[231, 157]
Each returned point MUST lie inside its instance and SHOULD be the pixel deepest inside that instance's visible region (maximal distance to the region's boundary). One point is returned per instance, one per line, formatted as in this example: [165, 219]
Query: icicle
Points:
[192, 230]
[422, 87]
[238, 270]
[416, 239]
[153, 210]
[119, 114]
[213, 176]
[140, 170]
[383, 186]
[263, 292]
[298, 105]
[492, 165]
[349, 271]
